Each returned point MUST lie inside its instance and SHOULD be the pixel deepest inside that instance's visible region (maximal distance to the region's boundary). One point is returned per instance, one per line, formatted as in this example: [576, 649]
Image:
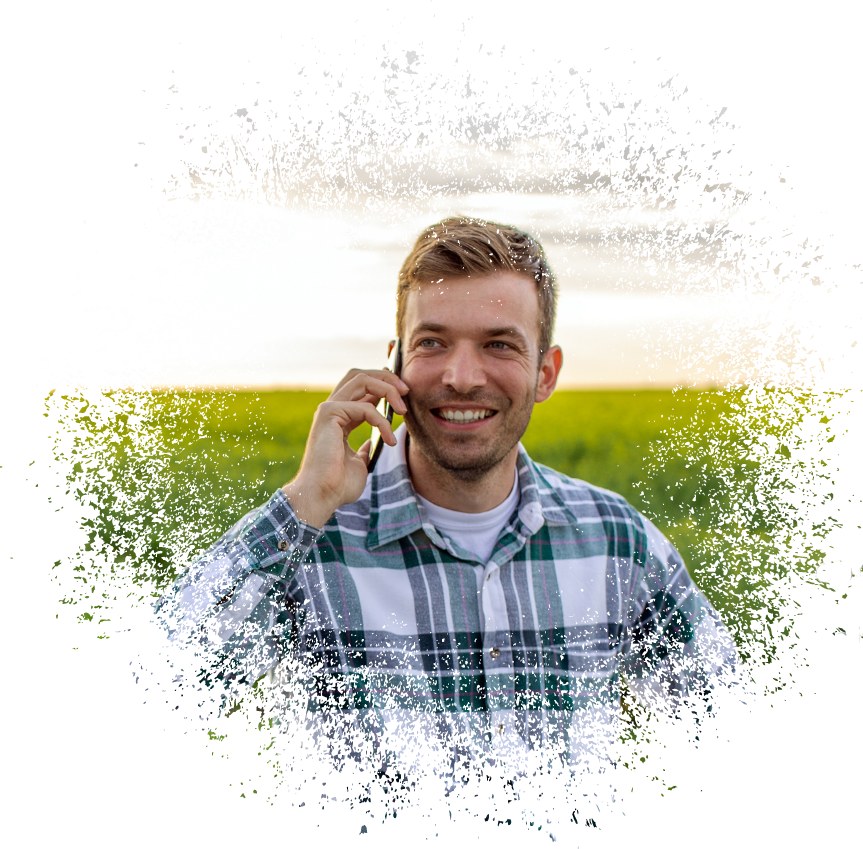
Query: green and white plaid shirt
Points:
[386, 619]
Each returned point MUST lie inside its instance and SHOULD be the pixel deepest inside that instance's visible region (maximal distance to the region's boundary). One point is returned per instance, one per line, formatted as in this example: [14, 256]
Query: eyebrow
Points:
[510, 330]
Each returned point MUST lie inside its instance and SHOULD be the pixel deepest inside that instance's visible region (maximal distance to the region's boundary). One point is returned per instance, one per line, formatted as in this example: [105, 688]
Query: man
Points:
[460, 586]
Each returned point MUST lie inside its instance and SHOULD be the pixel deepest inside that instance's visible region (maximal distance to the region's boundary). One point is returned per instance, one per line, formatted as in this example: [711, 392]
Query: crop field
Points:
[167, 472]
[216, 455]
[254, 442]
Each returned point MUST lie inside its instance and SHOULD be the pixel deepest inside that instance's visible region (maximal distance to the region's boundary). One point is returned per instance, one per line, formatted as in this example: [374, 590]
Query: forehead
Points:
[474, 302]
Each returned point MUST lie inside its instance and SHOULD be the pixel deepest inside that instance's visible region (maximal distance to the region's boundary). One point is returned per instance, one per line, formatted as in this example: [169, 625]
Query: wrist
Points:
[308, 504]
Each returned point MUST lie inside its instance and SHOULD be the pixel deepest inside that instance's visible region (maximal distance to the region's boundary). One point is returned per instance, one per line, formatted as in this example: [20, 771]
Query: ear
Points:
[549, 370]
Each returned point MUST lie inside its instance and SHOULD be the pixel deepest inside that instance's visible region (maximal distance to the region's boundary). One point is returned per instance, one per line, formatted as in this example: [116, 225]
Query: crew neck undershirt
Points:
[475, 532]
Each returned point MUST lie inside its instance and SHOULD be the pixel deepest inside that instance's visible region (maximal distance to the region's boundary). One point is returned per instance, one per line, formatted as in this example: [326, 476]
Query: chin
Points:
[467, 465]
[467, 456]
[470, 474]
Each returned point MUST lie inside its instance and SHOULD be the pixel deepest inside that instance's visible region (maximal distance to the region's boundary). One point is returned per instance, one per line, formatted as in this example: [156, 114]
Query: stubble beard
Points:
[470, 466]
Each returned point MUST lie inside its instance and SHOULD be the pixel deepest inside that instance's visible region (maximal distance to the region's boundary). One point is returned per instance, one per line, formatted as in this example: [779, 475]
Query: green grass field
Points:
[223, 453]
[167, 472]
[151, 505]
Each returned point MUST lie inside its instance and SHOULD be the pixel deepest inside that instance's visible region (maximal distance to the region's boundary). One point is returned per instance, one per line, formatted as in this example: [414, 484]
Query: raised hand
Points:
[332, 473]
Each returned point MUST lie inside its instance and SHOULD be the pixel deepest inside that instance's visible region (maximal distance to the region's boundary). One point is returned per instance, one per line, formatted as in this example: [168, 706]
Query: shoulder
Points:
[353, 517]
[604, 520]
[589, 502]
[581, 497]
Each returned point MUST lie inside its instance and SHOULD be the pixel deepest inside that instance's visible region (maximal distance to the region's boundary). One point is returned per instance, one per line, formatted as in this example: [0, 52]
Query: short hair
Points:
[465, 247]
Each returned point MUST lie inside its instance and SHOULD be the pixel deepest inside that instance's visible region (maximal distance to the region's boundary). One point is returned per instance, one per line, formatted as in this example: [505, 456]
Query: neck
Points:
[453, 492]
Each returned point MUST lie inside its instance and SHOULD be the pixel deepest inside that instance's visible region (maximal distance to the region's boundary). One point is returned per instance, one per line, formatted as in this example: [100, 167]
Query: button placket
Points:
[496, 636]
[494, 608]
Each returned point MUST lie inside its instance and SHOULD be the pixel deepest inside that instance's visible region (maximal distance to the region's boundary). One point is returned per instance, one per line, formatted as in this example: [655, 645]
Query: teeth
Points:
[465, 415]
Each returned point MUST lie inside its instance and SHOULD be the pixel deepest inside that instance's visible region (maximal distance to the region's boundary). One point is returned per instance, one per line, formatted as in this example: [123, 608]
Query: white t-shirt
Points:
[475, 532]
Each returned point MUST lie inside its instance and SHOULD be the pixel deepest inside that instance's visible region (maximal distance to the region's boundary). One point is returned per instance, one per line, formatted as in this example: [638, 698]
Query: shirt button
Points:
[283, 545]
[495, 653]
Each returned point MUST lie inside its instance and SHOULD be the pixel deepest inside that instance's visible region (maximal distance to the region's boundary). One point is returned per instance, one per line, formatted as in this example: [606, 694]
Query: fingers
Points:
[354, 373]
[363, 386]
[349, 376]
[378, 374]
[375, 419]
[350, 414]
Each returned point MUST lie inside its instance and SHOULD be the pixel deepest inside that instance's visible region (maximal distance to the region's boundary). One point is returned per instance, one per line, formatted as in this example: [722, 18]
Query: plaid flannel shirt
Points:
[388, 617]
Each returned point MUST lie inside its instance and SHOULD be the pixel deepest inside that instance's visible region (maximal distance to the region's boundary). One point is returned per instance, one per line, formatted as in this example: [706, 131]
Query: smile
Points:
[464, 416]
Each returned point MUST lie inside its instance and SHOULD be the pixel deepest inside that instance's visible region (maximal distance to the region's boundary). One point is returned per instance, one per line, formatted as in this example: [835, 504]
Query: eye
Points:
[498, 345]
[427, 343]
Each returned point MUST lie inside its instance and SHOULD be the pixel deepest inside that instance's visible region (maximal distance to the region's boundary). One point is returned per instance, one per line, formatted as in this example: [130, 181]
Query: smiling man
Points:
[476, 365]
[460, 582]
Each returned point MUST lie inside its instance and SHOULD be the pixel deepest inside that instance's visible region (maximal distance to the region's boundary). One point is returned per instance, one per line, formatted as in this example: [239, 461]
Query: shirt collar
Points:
[394, 512]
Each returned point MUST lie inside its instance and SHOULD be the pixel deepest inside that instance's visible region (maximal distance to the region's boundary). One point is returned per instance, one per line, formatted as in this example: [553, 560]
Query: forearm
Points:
[223, 602]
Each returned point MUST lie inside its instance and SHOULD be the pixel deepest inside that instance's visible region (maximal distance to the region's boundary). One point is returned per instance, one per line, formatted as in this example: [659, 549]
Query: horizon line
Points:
[319, 387]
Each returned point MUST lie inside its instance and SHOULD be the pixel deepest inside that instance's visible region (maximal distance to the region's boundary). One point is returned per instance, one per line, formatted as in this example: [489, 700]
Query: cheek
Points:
[513, 378]
[418, 374]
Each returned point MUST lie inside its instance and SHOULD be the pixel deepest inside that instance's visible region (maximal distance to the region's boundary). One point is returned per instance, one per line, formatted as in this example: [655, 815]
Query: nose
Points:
[464, 370]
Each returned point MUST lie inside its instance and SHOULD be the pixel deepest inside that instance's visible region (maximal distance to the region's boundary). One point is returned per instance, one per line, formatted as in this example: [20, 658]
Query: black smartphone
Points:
[394, 364]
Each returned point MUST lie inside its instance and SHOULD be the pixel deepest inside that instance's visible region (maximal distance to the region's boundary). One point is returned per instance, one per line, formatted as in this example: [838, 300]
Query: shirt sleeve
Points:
[231, 602]
[675, 646]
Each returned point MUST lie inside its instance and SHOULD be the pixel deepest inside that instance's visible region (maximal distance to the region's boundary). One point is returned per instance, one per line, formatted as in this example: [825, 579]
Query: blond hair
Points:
[465, 247]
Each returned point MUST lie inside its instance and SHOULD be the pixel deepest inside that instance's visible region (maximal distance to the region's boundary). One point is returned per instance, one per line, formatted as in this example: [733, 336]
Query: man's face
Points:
[472, 362]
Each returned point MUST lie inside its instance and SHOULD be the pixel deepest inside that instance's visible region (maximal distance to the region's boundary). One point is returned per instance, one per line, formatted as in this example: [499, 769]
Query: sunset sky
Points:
[284, 331]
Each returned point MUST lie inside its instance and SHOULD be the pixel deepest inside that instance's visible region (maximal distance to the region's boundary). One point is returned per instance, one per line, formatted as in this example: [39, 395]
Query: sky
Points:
[317, 297]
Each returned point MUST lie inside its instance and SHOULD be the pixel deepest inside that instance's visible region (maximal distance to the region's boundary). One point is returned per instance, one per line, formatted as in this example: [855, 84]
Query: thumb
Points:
[363, 451]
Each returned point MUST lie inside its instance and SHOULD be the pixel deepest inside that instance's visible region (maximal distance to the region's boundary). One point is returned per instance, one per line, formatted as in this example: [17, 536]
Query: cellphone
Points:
[394, 364]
